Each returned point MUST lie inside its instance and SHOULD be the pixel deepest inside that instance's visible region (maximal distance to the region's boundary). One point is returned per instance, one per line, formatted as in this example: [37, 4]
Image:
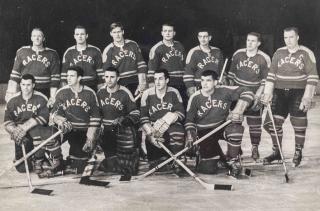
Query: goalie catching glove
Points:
[162, 124]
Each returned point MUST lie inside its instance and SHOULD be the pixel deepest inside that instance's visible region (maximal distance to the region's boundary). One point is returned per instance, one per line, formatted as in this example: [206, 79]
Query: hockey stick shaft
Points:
[27, 168]
[36, 148]
[184, 150]
[196, 177]
[278, 141]
[223, 70]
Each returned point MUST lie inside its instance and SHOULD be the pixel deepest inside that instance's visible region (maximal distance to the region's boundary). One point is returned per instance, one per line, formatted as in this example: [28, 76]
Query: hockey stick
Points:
[33, 151]
[183, 151]
[196, 177]
[88, 171]
[223, 70]
[278, 142]
[138, 96]
[32, 189]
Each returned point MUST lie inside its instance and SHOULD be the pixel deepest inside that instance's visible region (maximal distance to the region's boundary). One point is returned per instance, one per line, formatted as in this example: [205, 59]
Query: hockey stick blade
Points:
[42, 191]
[125, 178]
[223, 187]
[88, 181]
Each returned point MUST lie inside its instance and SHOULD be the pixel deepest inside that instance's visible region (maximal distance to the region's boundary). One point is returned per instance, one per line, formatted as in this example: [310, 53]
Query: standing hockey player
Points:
[119, 117]
[162, 115]
[125, 55]
[200, 58]
[168, 54]
[76, 112]
[207, 109]
[291, 84]
[249, 68]
[42, 62]
[26, 117]
[87, 56]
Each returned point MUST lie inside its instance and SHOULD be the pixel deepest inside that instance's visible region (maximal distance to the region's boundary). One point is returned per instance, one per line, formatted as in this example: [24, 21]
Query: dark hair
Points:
[112, 69]
[292, 28]
[28, 77]
[80, 27]
[115, 25]
[77, 69]
[256, 34]
[167, 24]
[212, 73]
[164, 71]
[204, 29]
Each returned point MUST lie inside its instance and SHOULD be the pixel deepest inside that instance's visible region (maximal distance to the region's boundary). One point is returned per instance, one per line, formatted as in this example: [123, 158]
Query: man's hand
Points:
[191, 90]
[266, 98]
[140, 89]
[190, 138]
[50, 102]
[154, 141]
[235, 117]
[306, 104]
[89, 145]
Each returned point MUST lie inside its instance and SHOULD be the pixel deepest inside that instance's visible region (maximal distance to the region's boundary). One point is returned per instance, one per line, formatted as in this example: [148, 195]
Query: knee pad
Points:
[278, 121]
[207, 165]
[299, 123]
[234, 133]
[254, 121]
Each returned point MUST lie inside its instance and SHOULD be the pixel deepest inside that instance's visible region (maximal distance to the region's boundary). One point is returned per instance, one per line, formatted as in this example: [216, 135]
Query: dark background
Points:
[230, 21]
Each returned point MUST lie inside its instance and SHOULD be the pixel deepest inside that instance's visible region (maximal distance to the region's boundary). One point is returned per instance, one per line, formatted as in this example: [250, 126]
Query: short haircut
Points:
[112, 69]
[77, 69]
[115, 25]
[80, 27]
[212, 73]
[204, 29]
[164, 71]
[38, 29]
[28, 77]
[167, 24]
[256, 34]
[292, 28]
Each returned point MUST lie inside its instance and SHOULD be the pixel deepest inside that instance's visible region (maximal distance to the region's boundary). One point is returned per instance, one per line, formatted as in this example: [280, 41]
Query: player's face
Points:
[204, 38]
[111, 78]
[26, 86]
[252, 42]
[72, 78]
[37, 38]
[117, 34]
[160, 81]
[207, 83]
[168, 33]
[80, 36]
[291, 39]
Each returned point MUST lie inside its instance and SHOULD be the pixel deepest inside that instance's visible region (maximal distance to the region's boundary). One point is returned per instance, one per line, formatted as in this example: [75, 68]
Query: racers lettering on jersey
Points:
[207, 60]
[82, 58]
[172, 53]
[26, 107]
[292, 60]
[112, 101]
[123, 54]
[159, 107]
[211, 104]
[249, 64]
[36, 57]
[76, 102]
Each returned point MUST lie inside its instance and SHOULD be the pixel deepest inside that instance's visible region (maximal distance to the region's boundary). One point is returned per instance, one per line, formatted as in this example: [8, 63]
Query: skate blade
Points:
[41, 191]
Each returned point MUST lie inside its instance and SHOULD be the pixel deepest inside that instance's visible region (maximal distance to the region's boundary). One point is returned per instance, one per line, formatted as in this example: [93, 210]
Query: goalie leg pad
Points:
[255, 130]
[109, 164]
[128, 163]
[300, 126]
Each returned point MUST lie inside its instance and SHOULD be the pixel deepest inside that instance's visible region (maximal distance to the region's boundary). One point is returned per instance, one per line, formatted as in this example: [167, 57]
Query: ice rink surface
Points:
[264, 190]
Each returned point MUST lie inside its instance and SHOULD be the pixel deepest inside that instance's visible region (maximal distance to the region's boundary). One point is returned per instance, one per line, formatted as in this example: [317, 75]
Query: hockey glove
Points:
[62, 123]
[257, 105]
[266, 98]
[160, 127]
[235, 117]
[154, 141]
[190, 138]
[18, 135]
[147, 129]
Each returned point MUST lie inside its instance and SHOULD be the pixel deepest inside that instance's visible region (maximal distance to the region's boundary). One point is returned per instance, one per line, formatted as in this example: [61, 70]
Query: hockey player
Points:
[120, 115]
[76, 112]
[125, 55]
[168, 54]
[290, 84]
[86, 56]
[42, 62]
[162, 115]
[200, 58]
[209, 108]
[249, 68]
[26, 118]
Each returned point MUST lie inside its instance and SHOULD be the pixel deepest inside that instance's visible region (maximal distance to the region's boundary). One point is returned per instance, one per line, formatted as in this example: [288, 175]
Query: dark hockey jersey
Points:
[153, 108]
[44, 66]
[117, 104]
[249, 71]
[293, 71]
[89, 59]
[197, 61]
[170, 58]
[205, 112]
[19, 110]
[80, 108]
[128, 60]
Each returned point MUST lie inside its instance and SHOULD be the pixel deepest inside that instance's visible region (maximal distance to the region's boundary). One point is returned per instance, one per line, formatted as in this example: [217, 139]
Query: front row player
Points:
[207, 109]
[120, 116]
[76, 112]
[162, 114]
[26, 117]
